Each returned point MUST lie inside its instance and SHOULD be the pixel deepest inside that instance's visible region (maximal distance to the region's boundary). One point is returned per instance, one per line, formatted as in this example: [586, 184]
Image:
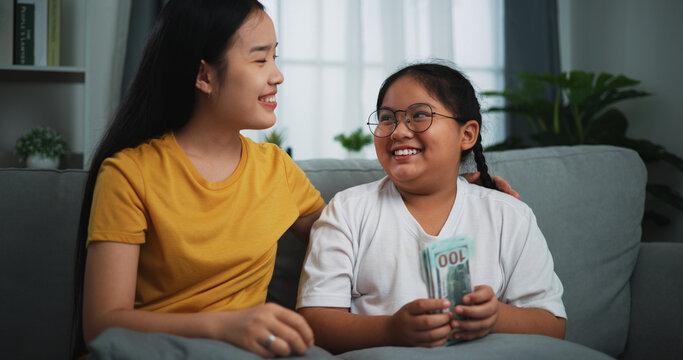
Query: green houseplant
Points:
[277, 137]
[41, 147]
[582, 112]
[355, 141]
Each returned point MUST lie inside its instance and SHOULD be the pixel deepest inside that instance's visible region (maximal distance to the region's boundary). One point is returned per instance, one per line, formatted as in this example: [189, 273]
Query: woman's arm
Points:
[338, 330]
[302, 226]
[108, 301]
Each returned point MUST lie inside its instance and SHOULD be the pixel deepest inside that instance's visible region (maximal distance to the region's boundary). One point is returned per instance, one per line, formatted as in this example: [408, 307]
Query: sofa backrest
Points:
[588, 201]
[39, 213]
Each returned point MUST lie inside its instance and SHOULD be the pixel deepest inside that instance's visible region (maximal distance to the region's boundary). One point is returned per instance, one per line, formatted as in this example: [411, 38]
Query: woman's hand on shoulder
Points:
[501, 184]
[481, 312]
[415, 325]
[252, 328]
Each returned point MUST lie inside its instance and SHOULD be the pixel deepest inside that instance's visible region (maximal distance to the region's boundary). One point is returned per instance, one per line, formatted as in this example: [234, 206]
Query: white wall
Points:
[642, 40]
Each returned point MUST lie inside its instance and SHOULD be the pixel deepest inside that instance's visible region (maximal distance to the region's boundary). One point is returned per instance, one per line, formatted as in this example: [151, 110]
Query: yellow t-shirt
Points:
[204, 246]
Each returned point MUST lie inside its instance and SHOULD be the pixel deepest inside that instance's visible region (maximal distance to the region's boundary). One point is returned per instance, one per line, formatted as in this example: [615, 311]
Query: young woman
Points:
[181, 214]
[362, 286]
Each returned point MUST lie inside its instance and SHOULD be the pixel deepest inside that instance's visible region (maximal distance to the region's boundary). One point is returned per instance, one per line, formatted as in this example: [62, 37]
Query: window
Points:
[335, 54]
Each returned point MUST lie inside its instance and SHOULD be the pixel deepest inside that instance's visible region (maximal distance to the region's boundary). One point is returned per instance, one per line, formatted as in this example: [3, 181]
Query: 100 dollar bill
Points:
[446, 269]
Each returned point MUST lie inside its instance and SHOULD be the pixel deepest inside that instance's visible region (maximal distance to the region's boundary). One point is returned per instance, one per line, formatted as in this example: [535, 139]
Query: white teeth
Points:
[405, 152]
[268, 99]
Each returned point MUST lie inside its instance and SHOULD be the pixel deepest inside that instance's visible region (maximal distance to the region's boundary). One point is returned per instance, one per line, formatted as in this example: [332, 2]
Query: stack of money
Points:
[446, 270]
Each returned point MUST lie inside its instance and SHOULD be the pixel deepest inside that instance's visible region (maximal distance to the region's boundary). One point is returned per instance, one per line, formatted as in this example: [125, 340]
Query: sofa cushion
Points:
[117, 343]
[39, 220]
[493, 346]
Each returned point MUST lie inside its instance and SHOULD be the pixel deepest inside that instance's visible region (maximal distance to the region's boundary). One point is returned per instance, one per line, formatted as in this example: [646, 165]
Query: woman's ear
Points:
[469, 133]
[205, 78]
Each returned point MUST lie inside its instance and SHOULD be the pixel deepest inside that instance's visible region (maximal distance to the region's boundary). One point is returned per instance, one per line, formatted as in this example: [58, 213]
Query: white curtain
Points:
[335, 54]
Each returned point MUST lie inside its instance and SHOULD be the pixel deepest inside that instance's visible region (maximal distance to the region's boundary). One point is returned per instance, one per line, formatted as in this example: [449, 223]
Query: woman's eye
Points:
[420, 115]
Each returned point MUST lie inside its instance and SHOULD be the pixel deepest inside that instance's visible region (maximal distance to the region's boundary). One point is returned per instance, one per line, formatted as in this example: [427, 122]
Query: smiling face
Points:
[244, 98]
[425, 162]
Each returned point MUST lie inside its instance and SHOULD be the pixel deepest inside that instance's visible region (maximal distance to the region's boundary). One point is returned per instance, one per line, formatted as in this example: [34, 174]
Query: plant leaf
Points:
[666, 194]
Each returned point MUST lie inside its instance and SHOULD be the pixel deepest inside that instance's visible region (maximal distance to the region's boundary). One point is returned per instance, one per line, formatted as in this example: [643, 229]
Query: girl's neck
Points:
[215, 151]
[431, 210]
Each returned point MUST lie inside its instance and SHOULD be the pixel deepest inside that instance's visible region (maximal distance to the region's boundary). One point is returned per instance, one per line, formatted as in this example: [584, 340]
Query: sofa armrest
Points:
[656, 298]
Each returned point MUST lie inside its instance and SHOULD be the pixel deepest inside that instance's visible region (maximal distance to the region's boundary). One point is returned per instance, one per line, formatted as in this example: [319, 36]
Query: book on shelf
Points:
[37, 32]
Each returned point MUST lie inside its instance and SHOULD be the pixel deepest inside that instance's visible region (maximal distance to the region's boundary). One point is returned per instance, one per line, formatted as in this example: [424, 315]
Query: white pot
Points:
[40, 162]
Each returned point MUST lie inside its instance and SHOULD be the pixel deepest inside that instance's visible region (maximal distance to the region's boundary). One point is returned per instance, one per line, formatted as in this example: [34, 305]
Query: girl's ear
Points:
[469, 133]
[205, 78]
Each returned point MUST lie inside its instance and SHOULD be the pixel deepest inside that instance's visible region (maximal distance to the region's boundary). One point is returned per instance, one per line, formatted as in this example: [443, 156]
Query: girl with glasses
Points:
[362, 285]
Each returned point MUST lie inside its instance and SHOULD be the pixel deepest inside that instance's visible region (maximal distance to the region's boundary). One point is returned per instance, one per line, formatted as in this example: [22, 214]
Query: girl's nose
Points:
[401, 130]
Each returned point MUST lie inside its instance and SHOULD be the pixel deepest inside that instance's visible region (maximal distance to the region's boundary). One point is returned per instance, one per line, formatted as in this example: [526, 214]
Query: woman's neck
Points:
[214, 151]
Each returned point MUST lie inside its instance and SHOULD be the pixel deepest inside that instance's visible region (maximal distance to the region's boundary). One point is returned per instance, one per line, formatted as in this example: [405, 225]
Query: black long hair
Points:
[456, 93]
[161, 97]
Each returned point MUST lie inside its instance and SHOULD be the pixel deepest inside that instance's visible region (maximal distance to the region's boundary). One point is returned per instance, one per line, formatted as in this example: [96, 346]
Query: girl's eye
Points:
[386, 119]
[420, 115]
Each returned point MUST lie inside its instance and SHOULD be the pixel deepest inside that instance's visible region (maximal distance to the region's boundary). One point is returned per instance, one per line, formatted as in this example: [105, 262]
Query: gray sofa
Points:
[623, 296]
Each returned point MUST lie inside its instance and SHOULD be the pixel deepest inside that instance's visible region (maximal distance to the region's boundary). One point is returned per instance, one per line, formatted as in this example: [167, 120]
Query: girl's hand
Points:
[482, 314]
[251, 328]
[415, 325]
[501, 184]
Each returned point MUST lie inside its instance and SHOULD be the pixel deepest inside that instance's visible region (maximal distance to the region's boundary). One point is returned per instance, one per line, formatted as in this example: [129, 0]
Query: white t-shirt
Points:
[363, 252]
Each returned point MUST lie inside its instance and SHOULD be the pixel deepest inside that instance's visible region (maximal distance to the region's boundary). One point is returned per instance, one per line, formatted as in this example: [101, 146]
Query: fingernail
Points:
[446, 303]
[311, 343]
[456, 324]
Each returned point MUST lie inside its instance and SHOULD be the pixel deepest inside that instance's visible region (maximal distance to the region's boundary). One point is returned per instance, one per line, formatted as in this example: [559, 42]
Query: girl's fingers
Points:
[426, 306]
[287, 340]
[433, 335]
[481, 294]
[474, 325]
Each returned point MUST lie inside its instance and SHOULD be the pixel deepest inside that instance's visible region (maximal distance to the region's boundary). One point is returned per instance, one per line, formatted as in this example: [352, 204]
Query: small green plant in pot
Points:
[355, 141]
[41, 148]
[582, 112]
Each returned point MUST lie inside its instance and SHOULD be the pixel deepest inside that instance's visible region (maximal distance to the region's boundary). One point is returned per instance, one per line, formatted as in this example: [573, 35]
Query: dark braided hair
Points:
[456, 93]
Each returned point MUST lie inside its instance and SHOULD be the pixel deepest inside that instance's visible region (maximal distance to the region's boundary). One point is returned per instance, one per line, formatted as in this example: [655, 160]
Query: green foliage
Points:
[355, 141]
[582, 112]
[276, 137]
[43, 141]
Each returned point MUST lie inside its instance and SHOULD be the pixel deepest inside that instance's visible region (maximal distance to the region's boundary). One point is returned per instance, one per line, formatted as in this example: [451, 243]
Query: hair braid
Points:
[478, 152]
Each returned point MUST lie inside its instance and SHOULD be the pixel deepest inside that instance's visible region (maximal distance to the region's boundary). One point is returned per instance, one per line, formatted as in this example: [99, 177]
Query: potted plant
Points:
[582, 113]
[41, 148]
[355, 141]
[277, 137]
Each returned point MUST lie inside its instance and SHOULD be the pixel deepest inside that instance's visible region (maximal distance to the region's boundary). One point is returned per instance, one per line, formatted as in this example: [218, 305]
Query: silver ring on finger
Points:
[269, 341]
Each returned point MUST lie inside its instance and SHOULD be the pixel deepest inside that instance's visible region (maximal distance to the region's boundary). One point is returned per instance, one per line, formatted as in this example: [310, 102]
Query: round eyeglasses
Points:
[418, 118]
